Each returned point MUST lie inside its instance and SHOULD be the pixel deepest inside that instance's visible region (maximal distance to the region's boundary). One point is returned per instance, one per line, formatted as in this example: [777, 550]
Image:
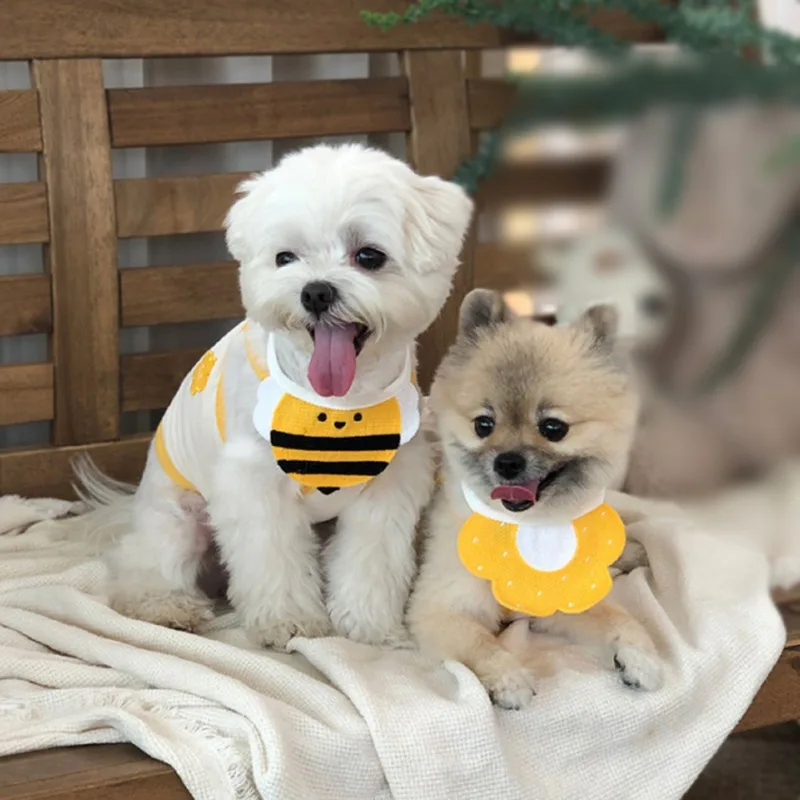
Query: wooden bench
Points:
[80, 212]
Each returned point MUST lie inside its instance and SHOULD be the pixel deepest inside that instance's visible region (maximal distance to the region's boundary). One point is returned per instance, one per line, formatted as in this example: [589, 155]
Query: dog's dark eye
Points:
[284, 257]
[483, 426]
[554, 430]
[370, 258]
[654, 305]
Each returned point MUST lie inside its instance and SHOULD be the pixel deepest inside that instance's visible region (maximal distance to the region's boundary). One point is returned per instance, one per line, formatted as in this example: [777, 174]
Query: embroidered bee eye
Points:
[483, 426]
[554, 430]
[358, 417]
[322, 417]
[284, 257]
[370, 258]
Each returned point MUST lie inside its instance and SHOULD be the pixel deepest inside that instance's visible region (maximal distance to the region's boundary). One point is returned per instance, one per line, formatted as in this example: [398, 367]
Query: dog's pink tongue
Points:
[516, 494]
[333, 363]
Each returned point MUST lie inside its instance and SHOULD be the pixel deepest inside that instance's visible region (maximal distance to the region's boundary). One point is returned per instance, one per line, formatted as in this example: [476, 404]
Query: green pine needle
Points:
[787, 155]
[628, 90]
[684, 127]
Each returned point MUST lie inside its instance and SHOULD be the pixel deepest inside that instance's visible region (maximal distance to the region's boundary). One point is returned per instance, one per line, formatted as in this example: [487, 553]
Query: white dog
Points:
[607, 267]
[346, 256]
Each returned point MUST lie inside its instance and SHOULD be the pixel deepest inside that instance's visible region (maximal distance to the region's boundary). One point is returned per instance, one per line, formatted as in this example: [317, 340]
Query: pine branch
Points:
[708, 28]
[684, 127]
[616, 95]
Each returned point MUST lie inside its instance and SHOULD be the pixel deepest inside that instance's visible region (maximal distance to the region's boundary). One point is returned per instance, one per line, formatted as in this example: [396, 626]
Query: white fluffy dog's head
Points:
[608, 267]
[343, 249]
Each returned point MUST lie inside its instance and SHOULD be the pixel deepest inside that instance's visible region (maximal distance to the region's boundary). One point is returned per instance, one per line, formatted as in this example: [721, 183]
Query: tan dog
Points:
[541, 417]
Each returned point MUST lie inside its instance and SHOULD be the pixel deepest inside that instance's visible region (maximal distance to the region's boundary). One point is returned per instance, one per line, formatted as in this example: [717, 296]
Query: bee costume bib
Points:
[330, 447]
[332, 443]
[540, 568]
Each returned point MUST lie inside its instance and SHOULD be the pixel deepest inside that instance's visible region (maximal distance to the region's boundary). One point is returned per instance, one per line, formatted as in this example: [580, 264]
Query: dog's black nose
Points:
[654, 305]
[509, 465]
[317, 297]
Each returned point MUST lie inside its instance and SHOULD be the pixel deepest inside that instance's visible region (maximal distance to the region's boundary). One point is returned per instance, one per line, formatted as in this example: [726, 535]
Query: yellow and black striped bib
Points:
[331, 449]
[334, 443]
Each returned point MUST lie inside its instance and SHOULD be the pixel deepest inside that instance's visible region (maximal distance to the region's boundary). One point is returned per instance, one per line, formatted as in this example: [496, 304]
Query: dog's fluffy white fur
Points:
[607, 266]
[323, 203]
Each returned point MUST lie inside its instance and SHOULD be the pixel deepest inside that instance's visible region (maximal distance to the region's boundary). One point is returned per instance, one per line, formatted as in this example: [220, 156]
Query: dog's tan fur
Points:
[519, 369]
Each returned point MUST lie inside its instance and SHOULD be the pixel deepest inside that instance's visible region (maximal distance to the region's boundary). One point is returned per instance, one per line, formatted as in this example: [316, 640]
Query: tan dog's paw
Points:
[169, 609]
[512, 688]
[639, 667]
[278, 632]
[633, 556]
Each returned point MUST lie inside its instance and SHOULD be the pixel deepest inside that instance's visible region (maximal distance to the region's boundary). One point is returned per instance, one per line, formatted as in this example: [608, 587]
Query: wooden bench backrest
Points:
[79, 212]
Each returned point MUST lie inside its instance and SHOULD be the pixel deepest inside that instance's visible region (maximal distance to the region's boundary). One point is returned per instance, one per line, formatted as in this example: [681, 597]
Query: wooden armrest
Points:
[778, 700]
[95, 772]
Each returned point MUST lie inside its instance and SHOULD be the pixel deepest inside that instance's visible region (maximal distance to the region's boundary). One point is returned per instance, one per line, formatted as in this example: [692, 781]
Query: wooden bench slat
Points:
[165, 206]
[82, 256]
[546, 182]
[150, 380]
[438, 142]
[489, 102]
[20, 130]
[23, 213]
[26, 393]
[778, 700]
[91, 772]
[98, 28]
[242, 112]
[47, 471]
[192, 293]
[25, 305]
[502, 267]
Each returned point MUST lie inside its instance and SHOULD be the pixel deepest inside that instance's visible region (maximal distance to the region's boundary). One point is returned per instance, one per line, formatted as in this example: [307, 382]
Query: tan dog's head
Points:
[532, 415]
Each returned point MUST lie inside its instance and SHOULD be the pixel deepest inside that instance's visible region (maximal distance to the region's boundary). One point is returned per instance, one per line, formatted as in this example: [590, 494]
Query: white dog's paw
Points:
[278, 632]
[398, 639]
[639, 667]
[170, 609]
[380, 630]
[512, 688]
[395, 637]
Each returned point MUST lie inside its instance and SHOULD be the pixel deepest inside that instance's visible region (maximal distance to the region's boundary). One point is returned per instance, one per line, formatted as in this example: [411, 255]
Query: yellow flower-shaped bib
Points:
[538, 569]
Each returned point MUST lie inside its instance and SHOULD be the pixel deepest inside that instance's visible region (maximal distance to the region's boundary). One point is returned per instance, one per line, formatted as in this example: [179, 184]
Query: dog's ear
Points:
[438, 216]
[243, 216]
[600, 323]
[481, 308]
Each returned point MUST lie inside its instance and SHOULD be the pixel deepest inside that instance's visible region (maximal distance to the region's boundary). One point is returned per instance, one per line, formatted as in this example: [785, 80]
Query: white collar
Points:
[479, 506]
[351, 400]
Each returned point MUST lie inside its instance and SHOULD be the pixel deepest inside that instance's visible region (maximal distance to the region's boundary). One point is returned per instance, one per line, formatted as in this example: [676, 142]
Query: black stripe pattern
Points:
[331, 444]
[370, 468]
